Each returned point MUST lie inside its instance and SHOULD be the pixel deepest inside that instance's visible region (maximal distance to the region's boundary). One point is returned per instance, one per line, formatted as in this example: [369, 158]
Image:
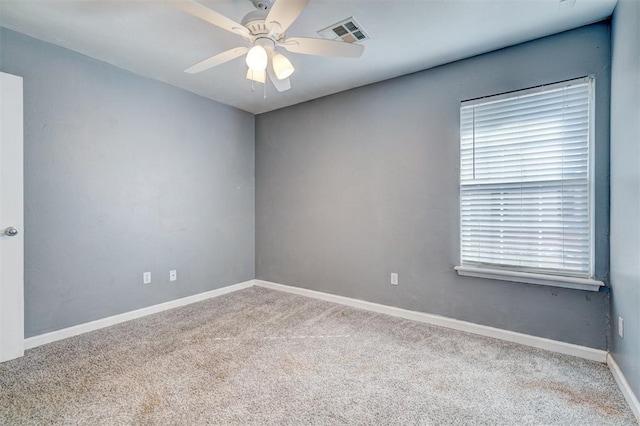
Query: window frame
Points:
[508, 273]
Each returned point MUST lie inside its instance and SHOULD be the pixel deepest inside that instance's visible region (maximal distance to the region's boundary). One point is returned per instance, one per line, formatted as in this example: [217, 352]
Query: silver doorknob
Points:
[11, 231]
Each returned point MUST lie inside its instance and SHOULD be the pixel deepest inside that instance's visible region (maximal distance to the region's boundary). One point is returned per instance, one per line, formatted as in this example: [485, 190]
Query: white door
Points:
[11, 219]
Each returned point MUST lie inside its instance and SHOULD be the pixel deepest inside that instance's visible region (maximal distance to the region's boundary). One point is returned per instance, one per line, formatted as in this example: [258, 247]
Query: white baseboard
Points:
[483, 330]
[631, 398]
[65, 333]
[497, 333]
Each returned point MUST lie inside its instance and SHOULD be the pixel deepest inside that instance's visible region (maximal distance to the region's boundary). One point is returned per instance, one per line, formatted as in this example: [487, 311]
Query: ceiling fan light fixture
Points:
[264, 30]
[282, 66]
[257, 58]
[257, 76]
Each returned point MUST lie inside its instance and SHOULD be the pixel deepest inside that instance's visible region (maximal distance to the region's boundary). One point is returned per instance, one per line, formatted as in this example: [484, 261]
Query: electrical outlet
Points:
[146, 278]
[394, 278]
[173, 275]
[621, 327]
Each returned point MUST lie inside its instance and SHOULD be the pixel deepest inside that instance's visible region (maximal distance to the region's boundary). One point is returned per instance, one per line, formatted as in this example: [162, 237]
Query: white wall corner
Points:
[624, 386]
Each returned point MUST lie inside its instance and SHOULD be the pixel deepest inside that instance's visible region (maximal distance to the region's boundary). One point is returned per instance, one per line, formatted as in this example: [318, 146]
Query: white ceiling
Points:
[155, 39]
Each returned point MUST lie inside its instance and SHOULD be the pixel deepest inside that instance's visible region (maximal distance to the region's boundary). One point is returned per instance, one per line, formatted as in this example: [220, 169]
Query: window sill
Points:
[530, 278]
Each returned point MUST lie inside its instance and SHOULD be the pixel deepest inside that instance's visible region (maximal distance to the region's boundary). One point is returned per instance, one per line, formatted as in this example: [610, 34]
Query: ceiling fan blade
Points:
[280, 85]
[322, 47]
[283, 13]
[217, 60]
[212, 17]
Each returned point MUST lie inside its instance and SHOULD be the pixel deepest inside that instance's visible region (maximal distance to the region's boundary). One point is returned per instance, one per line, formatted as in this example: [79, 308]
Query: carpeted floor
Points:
[259, 356]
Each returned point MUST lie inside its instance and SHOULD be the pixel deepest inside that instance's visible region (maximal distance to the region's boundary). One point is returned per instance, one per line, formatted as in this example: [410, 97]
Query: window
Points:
[526, 187]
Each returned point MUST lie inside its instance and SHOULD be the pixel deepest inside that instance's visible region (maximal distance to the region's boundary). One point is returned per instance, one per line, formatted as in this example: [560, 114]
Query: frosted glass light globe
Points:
[257, 58]
[282, 66]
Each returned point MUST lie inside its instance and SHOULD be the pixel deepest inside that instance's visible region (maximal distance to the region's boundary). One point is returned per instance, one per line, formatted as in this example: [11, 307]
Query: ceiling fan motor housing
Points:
[254, 21]
[266, 42]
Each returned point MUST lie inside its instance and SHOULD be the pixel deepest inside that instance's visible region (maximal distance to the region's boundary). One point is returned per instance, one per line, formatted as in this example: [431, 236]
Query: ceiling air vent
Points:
[348, 30]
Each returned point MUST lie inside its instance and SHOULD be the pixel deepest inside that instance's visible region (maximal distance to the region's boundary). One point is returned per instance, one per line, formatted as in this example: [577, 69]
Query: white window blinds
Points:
[525, 191]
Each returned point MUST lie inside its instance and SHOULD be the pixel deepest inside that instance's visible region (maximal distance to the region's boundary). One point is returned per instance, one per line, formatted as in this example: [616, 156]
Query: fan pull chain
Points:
[264, 87]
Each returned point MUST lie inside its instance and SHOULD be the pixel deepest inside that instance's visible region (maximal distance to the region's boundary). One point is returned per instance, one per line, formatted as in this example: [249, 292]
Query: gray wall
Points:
[124, 175]
[363, 183]
[625, 188]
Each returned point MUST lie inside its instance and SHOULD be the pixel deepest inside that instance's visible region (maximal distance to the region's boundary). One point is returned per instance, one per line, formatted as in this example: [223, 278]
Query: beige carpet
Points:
[259, 356]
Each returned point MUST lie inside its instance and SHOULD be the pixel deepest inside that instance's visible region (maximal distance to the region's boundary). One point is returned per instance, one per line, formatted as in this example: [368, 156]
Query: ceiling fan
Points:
[264, 29]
